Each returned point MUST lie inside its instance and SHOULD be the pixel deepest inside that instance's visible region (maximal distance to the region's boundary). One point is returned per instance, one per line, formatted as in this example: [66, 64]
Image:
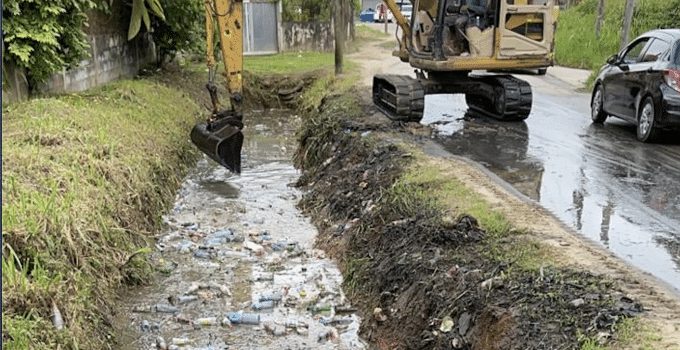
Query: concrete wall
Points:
[307, 36]
[112, 56]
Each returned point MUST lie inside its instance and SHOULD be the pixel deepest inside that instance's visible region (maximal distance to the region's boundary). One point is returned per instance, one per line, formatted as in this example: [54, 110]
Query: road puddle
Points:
[237, 267]
[599, 180]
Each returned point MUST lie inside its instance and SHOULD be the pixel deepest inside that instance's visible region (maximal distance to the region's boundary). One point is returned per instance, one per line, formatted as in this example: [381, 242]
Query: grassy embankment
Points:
[575, 42]
[85, 179]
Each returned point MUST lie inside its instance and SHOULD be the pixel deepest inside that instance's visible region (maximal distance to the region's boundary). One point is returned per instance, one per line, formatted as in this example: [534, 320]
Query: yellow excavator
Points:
[446, 40]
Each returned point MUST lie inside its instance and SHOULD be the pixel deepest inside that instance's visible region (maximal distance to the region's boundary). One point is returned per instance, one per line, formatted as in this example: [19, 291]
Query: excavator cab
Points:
[446, 40]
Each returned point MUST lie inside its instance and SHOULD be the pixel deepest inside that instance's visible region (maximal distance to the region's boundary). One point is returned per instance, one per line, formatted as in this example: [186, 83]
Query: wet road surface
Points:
[228, 242]
[597, 179]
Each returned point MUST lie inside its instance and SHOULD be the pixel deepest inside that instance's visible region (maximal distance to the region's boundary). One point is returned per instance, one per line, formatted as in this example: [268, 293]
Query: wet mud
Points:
[236, 266]
[424, 280]
[597, 179]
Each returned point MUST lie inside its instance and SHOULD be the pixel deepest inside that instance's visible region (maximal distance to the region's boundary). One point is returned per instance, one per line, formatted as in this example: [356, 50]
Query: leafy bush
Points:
[575, 41]
[44, 36]
[183, 29]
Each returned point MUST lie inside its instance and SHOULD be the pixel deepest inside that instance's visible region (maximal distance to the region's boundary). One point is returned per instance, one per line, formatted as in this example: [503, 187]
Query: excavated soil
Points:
[425, 282]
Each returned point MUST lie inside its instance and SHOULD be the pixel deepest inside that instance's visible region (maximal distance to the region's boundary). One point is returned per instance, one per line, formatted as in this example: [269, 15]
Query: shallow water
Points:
[192, 249]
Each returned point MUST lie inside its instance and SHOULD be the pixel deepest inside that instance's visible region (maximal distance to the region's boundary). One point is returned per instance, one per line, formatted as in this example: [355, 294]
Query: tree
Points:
[182, 30]
[340, 31]
[627, 21]
[140, 13]
[600, 18]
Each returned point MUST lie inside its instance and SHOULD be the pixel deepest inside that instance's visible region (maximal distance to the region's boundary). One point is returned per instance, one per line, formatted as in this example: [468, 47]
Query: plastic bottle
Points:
[243, 318]
[183, 299]
[168, 309]
[263, 305]
[274, 296]
[205, 321]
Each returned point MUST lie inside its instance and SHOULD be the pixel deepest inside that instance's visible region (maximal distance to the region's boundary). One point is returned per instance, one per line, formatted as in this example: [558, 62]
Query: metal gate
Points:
[261, 29]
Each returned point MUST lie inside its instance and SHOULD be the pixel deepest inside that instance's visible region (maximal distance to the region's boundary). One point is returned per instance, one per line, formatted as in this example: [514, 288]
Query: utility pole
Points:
[627, 21]
[600, 18]
[339, 29]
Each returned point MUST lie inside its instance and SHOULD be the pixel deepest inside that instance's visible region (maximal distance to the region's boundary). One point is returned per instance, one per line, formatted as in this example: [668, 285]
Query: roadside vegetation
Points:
[576, 44]
[85, 179]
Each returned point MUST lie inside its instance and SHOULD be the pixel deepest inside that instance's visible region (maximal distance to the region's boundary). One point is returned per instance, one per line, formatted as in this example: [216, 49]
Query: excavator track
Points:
[400, 97]
[511, 99]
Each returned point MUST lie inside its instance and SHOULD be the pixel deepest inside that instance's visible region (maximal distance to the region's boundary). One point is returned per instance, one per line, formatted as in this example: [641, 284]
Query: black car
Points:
[641, 84]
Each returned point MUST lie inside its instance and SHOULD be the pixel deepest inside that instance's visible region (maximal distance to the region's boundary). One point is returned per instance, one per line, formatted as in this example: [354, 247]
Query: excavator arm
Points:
[220, 136]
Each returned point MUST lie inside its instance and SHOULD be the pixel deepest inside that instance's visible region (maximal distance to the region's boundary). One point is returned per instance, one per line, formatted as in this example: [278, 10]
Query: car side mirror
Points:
[613, 59]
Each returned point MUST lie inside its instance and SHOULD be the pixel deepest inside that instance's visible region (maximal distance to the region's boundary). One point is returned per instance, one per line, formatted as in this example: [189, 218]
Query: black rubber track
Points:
[511, 102]
[400, 97]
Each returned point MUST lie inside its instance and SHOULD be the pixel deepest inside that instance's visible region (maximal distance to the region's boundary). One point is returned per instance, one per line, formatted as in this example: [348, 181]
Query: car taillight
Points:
[672, 77]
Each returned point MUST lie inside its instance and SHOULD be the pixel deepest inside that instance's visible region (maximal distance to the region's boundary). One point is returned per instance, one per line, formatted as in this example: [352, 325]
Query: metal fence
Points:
[261, 28]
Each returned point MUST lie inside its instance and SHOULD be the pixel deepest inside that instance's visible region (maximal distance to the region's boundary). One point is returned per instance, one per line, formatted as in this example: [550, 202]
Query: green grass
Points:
[85, 179]
[631, 333]
[575, 41]
[289, 62]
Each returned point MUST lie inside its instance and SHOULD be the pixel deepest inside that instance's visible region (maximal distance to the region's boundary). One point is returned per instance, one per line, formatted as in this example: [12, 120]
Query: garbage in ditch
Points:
[240, 271]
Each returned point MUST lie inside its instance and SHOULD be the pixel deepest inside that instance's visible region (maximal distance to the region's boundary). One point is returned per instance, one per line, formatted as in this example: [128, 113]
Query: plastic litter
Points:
[145, 326]
[263, 305]
[161, 344]
[335, 321]
[205, 322]
[57, 319]
[447, 325]
[180, 341]
[273, 296]
[243, 318]
[163, 308]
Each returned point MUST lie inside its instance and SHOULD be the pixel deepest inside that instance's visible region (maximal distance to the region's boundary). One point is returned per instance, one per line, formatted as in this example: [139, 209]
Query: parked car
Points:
[367, 15]
[641, 84]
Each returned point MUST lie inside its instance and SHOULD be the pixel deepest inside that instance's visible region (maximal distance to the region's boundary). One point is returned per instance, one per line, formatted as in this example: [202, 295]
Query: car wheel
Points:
[646, 126]
[542, 71]
[596, 106]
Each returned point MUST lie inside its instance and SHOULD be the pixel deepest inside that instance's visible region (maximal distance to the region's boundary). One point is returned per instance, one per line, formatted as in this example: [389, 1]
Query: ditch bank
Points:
[86, 178]
[433, 263]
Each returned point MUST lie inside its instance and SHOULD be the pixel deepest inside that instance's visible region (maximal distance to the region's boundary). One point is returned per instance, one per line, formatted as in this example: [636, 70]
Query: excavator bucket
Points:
[220, 140]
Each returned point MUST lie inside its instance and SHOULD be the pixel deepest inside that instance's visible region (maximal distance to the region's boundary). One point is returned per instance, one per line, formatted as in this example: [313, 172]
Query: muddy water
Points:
[216, 218]
[599, 180]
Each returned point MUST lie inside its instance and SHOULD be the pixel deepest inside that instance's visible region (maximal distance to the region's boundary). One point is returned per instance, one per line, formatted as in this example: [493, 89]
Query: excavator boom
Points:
[220, 136]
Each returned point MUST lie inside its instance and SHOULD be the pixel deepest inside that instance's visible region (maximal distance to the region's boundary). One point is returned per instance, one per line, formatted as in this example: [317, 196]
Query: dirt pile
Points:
[426, 279]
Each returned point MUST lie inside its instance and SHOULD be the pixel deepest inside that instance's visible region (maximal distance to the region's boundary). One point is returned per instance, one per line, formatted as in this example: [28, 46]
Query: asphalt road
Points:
[597, 179]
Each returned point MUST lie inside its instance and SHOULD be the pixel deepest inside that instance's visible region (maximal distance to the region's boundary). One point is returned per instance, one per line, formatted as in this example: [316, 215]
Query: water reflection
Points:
[598, 179]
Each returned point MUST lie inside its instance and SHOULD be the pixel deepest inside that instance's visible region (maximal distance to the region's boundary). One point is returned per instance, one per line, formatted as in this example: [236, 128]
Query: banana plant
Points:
[140, 13]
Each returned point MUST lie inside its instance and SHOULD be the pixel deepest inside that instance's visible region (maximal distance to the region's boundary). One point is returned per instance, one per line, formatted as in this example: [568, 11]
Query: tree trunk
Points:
[627, 21]
[600, 18]
[352, 31]
[386, 15]
[339, 29]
